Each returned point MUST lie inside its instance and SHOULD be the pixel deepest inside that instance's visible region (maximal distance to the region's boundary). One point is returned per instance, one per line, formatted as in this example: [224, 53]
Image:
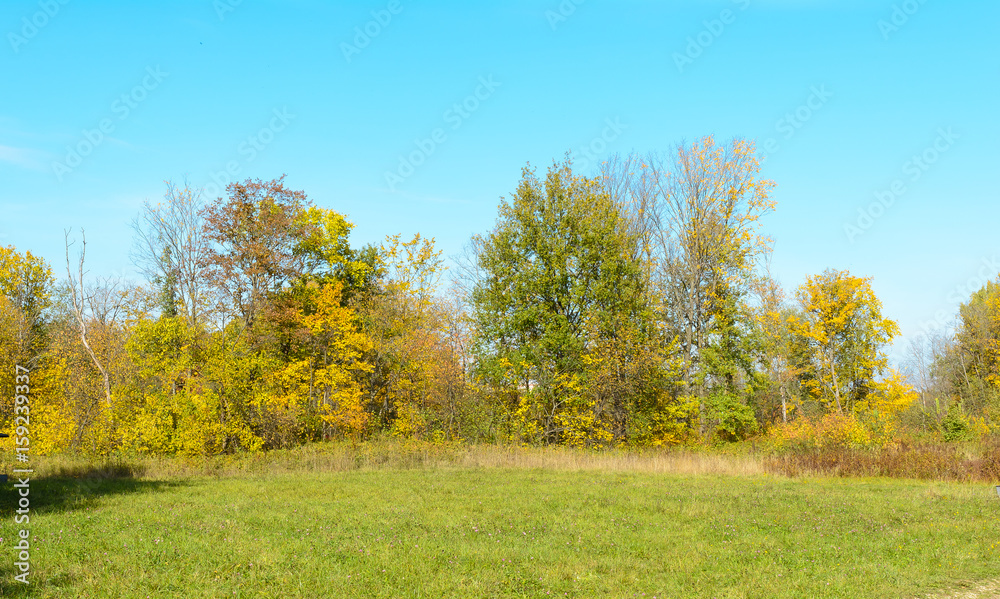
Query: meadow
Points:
[409, 521]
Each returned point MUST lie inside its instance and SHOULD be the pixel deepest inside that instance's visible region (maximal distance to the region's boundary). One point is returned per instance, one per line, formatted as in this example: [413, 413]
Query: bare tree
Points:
[170, 248]
[936, 367]
[80, 300]
[633, 185]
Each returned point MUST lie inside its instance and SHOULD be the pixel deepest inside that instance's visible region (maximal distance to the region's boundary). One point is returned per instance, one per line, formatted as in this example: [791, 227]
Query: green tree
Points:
[967, 369]
[554, 282]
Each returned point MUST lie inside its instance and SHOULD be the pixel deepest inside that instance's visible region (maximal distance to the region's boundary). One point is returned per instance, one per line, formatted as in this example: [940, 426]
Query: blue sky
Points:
[858, 98]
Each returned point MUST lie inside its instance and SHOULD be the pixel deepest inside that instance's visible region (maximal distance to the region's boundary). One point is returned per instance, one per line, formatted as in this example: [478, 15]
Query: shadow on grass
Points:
[9, 587]
[67, 489]
[79, 487]
[64, 490]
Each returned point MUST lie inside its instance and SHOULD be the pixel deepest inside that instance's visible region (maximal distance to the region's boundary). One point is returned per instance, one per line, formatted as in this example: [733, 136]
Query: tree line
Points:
[632, 308]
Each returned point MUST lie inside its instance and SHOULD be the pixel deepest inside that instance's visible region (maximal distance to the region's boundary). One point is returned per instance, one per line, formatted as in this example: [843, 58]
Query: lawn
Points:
[501, 532]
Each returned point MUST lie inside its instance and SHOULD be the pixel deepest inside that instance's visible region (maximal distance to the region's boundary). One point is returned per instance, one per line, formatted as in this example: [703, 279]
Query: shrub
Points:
[955, 426]
[832, 430]
[736, 420]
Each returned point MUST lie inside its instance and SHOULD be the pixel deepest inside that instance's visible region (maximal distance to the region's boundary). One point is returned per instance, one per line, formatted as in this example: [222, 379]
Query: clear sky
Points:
[100, 102]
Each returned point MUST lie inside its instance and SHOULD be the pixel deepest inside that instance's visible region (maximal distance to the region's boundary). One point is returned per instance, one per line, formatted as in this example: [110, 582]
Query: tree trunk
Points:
[78, 306]
[836, 386]
[784, 408]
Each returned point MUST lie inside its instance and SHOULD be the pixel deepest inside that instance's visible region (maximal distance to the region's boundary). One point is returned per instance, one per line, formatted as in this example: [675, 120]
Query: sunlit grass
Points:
[473, 531]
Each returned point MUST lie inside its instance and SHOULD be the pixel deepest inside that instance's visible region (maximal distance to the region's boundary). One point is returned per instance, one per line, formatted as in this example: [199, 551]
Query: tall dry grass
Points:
[927, 461]
[937, 461]
[340, 457]
[661, 462]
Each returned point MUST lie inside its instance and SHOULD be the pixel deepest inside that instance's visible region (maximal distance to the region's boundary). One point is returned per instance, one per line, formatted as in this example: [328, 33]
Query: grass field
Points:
[570, 529]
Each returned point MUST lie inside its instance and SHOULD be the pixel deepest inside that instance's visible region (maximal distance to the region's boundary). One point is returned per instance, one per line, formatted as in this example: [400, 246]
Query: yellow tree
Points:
[839, 343]
[405, 324]
[323, 378]
[26, 285]
[26, 281]
[25, 291]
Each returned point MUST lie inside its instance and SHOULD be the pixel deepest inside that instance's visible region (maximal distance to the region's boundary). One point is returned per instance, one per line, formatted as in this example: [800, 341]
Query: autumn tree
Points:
[26, 282]
[326, 254]
[556, 282]
[27, 290]
[254, 234]
[319, 382]
[694, 218]
[89, 327]
[311, 326]
[400, 317]
[772, 315]
[978, 340]
[459, 412]
[841, 338]
[964, 368]
[275, 261]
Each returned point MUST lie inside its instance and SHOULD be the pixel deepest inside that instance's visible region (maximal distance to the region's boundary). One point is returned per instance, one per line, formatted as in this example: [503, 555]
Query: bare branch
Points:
[79, 302]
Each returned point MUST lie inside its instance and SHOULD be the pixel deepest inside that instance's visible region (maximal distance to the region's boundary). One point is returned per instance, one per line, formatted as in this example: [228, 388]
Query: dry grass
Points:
[927, 462]
[339, 457]
[987, 590]
[673, 462]
[940, 461]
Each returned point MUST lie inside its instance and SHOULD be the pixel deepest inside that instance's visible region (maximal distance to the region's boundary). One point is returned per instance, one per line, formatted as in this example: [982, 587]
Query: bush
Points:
[736, 420]
[955, 426]
[832, 430]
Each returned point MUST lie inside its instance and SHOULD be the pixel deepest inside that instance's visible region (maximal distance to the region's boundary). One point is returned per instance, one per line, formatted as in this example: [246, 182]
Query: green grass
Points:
[501, 532]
